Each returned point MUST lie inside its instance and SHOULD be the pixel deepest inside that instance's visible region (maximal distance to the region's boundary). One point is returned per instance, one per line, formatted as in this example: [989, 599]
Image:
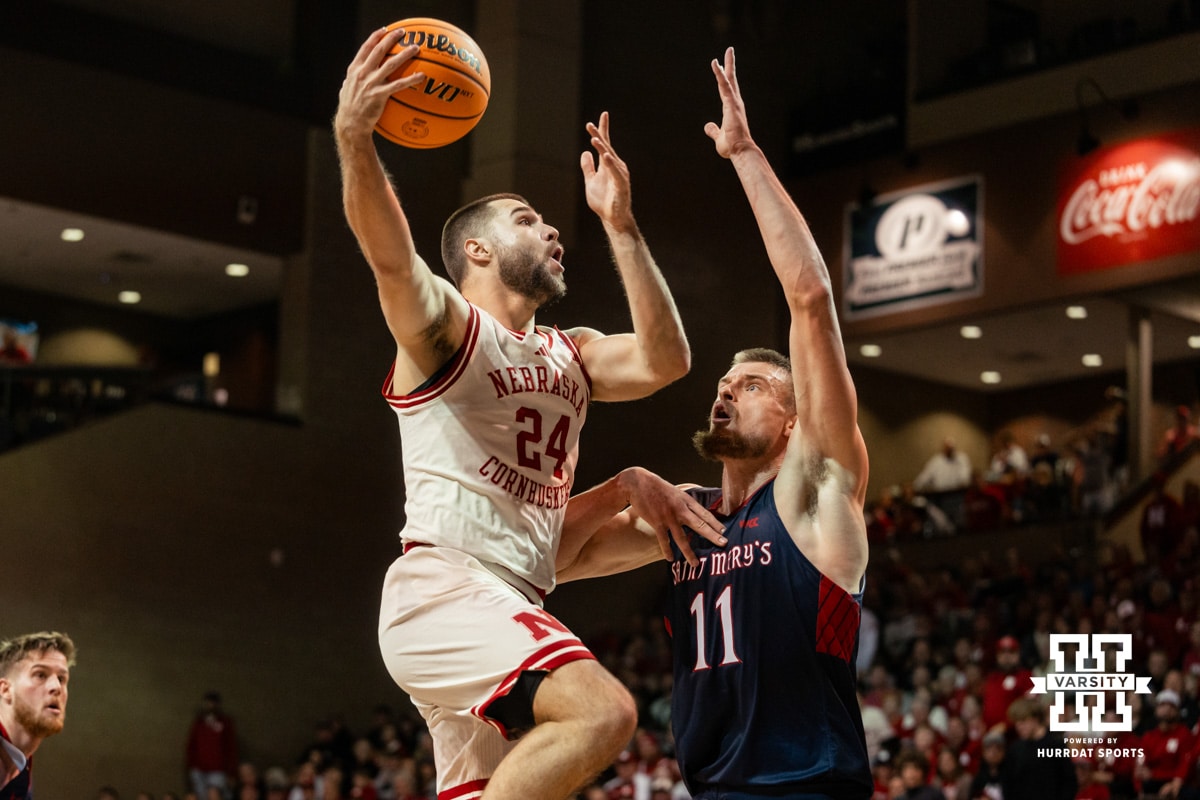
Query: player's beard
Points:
[525, 272]
[719, 443]
[36, 724]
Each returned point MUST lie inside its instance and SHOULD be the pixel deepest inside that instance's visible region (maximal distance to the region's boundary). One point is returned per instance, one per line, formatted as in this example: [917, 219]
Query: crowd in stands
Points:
[1042, 483]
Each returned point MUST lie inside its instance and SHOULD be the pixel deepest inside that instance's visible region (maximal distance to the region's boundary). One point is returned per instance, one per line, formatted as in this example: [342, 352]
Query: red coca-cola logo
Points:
[1130, 203]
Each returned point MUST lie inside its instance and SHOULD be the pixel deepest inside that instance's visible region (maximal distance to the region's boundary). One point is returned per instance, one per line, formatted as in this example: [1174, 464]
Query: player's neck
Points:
[512, 310]
[741, 478]
[20, 738]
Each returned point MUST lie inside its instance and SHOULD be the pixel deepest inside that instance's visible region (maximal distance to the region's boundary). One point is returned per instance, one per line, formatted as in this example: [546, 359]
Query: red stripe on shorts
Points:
[463, 789]
[550, 657]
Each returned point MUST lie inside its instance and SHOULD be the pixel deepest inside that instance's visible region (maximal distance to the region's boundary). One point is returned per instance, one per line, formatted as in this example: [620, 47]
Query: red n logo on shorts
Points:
[540, 624]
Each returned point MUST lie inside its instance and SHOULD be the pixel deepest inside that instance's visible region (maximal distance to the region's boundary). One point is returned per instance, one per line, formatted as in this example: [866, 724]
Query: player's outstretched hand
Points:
[733, 134]
[368, 82]
[668, 509]
[606, 179]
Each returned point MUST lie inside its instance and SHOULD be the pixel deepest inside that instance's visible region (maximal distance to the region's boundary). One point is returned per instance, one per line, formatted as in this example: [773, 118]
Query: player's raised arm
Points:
[629, 366]
[424, 312]
[825, 470]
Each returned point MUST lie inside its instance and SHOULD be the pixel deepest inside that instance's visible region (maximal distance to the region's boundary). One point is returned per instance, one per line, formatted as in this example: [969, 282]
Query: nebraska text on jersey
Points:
[490, 444]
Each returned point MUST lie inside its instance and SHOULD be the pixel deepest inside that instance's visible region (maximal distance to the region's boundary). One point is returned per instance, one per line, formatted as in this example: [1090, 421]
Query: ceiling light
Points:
[871, 351]
[130, 297]
[990, 376]
[1194, 342]
[237, 270]
[1092, 360]
[970, 331]
[1076, 312]
[72, 235]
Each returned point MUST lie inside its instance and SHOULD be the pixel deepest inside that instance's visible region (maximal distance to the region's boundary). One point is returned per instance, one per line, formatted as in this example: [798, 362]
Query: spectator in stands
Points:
[913, 769]
[212, 748]
[1177, 438]
[1091, 477]
[1117, 429]
[1161, 526]
[950, 776]
[1030, 773]
[985, 505]
[987, 783]
[1006, 682]
[947, 470]
[1090, 787]
[1010, 462]
[1044, 494]
[1168, 747]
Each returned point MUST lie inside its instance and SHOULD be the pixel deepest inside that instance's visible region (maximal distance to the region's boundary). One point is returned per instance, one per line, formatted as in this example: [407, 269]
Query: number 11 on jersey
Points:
[724, 607]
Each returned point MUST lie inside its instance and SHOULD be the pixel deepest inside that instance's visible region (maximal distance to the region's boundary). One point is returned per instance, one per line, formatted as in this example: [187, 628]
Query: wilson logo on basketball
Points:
[441, 42]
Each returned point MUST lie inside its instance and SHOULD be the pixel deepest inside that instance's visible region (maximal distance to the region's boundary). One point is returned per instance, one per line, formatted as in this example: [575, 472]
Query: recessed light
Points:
[1092, 360]
[1194, 342]
[871, 351]
[1076, 312]
[990, 376]
[72, 235]
[237, 270]
[970, 331]
[129, 297]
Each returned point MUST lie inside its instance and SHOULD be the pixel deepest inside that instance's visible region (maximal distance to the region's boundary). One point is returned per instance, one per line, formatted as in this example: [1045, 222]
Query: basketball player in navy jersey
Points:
[489, 407]
[764, 629]
[34, 670]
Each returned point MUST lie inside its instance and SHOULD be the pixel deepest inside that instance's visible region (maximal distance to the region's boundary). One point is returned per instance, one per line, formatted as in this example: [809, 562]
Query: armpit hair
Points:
[816, 472]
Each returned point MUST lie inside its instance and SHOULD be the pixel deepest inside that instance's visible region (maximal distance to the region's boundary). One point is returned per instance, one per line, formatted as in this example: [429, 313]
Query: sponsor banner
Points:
[1087, 684]
[915, 248]
[1129, 203]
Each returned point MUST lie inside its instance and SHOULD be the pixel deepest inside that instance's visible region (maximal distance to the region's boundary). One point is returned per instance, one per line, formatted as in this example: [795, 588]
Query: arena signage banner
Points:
[1130, 203]
[1089, 685]
[919, 247]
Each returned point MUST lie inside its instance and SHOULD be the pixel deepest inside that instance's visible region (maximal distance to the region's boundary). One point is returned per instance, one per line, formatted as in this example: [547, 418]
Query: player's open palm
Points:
[606, 178]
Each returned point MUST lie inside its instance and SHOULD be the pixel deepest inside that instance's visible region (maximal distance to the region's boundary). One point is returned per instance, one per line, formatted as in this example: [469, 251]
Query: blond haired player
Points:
[490, 406]
[34, 670]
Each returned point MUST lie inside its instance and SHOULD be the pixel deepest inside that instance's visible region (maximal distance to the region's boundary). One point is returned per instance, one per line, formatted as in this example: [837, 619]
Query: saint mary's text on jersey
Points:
[720, 562]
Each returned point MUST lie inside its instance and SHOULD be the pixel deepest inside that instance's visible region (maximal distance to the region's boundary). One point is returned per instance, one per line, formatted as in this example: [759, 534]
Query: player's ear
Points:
[479, 251]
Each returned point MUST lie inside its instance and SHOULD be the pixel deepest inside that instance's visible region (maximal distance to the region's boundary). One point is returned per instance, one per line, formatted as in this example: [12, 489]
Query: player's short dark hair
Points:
[14, 650]
[764, 354]
[469, 221]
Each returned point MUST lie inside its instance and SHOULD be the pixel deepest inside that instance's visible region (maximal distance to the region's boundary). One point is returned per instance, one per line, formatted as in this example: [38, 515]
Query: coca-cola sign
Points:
[1130, 203]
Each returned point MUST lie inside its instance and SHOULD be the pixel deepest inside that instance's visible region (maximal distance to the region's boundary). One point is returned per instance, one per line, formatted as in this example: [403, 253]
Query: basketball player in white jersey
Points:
[490, 407]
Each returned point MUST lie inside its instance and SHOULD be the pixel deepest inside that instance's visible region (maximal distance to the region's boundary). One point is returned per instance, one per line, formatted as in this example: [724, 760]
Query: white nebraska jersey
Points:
[490, 444]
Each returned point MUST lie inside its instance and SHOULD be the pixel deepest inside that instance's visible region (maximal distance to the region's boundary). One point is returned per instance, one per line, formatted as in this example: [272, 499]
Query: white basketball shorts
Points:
[456, 637]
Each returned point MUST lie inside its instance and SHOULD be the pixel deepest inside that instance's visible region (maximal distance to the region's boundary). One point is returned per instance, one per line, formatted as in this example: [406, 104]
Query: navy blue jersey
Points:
[764, 648]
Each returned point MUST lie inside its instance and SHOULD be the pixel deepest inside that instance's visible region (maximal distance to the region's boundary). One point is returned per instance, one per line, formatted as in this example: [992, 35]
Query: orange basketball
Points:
[445, 106]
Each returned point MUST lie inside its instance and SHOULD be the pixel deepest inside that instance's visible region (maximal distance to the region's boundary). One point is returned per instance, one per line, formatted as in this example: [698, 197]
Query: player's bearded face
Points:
[523, 269]
[34, 718]
[717, 443]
